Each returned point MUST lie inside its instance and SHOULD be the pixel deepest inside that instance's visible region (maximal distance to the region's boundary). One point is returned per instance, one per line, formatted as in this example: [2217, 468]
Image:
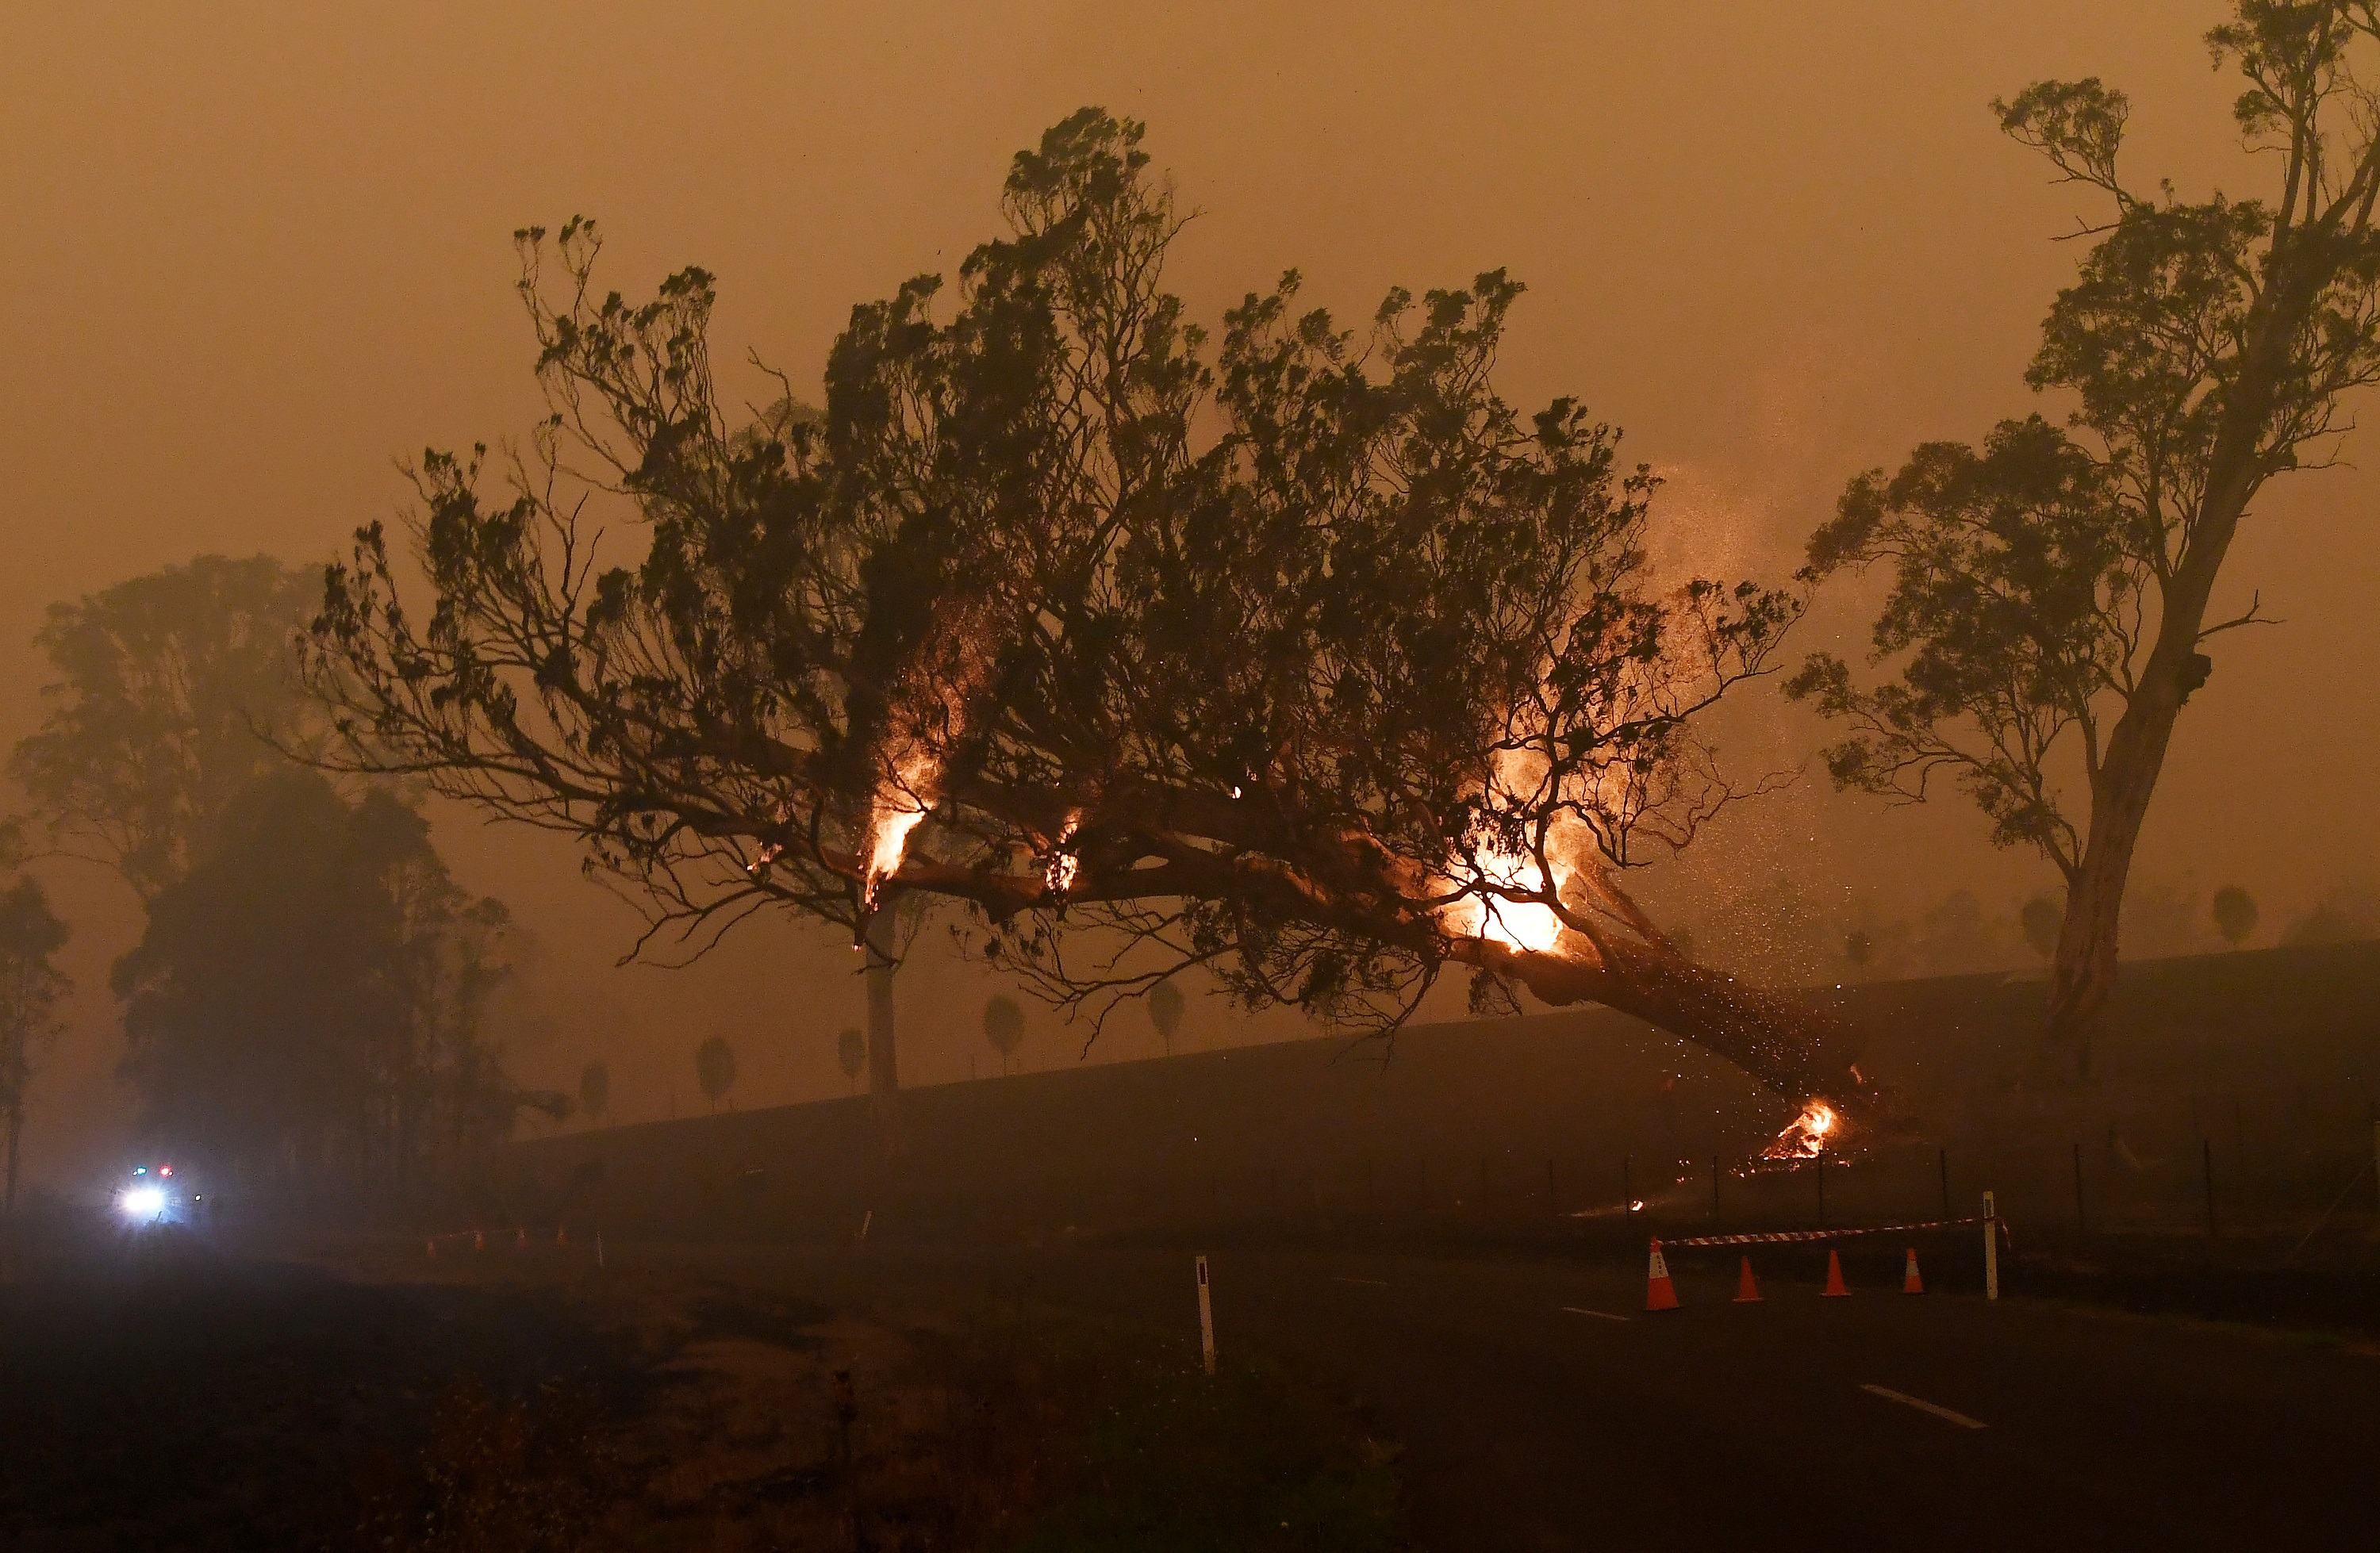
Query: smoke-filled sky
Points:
[250, 255]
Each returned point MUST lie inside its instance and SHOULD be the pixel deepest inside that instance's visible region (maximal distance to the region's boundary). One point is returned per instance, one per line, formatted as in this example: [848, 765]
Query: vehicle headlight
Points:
[140, 1202]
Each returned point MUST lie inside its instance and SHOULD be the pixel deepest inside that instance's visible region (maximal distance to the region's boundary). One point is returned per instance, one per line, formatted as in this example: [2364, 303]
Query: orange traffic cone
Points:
[1835, 1290]
[1910, 1282]
[1747, 1292]
[561, 1236]
[433, 1251]
[479, 1240]
[1660, 1293]
[520, 1234]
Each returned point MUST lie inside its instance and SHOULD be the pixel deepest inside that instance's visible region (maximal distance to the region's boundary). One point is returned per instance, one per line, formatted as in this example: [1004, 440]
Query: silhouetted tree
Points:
[1003, 1026]
[850, 1054]
[2235, 914]
[594, 1091]
[168, 687]
[714, 1069]
[314, 989]
[2052, 591]
[30, 986]
[1165, 1012]
[2039, 919]
[1306, 659]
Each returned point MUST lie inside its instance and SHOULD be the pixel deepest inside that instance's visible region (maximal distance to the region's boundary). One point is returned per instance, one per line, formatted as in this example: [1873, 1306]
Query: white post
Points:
[1206, 1319]
[1991, 1249]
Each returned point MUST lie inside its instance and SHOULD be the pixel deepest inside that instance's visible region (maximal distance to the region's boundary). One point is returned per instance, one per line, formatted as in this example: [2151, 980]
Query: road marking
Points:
[1375, 1282]
[1598, 1315]
[1961, 1419]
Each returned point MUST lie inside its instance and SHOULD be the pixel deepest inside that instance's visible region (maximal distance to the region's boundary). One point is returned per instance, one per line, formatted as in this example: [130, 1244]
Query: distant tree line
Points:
[310, 996]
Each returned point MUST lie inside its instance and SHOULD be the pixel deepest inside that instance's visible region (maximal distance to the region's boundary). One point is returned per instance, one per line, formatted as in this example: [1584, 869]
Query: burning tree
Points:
[1298, 656]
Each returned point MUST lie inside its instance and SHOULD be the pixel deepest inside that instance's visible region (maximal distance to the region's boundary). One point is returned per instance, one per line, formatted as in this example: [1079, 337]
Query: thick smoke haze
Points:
[254, 255]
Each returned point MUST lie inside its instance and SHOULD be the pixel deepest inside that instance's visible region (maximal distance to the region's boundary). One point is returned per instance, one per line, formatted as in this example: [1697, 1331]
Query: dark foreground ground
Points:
[170, 1392]
[362, 1396]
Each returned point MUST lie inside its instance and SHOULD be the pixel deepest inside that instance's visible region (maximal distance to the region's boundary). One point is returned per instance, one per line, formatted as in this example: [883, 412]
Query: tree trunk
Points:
[2083, 972]
[1797, 1051]
[16, 1136]
[882, 944]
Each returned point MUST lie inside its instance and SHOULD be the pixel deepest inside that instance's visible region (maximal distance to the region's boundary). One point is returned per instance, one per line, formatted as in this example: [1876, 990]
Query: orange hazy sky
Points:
[249, 255]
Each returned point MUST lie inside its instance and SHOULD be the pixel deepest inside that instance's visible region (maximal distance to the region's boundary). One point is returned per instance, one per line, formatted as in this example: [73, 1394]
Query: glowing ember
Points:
[1806, 1138]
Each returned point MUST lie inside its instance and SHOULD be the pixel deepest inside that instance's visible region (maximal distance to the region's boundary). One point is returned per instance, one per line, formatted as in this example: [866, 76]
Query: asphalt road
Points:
[1543, 1408]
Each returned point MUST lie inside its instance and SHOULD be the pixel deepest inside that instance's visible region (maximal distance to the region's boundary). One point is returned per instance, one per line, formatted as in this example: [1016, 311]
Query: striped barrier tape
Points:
[1778, 1237]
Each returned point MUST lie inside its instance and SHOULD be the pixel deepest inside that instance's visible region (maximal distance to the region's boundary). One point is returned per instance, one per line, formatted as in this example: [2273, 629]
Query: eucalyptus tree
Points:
[2053, 596]
[314, 993]
[172, 691]
[1294, 653]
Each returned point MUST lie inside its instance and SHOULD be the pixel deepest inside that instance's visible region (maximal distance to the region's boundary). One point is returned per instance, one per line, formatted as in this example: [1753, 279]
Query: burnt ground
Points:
[167, 1393]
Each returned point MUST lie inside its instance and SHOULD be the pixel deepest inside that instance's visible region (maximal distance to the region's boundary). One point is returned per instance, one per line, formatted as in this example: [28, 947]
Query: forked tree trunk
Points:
[2083, 972]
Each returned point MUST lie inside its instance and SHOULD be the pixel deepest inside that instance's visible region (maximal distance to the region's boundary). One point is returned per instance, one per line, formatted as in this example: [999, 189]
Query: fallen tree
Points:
[1305, 659]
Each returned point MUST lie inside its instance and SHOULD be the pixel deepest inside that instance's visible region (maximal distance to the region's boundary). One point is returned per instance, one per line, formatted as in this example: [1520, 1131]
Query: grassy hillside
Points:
[2263, 1063]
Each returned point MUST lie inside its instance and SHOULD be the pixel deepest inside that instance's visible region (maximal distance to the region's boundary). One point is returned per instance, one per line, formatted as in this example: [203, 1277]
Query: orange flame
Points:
[930, 711]
[898, 809]
[1064, 864]
[1806, 1137]
[1530, 925]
